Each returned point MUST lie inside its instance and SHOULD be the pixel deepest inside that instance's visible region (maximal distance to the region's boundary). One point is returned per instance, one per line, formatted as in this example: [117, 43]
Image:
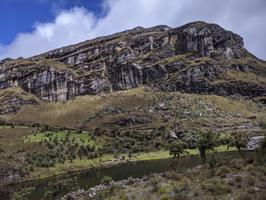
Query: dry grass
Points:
[88, 110]
[246, 77]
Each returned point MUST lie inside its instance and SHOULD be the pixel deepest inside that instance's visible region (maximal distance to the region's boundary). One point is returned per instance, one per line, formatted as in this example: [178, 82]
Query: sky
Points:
[30, 27]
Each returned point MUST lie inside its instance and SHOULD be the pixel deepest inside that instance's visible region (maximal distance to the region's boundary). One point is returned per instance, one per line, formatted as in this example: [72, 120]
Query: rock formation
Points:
[197, 57]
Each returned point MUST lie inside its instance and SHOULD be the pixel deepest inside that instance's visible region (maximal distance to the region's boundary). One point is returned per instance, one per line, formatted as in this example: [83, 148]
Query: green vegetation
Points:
[206, 142]
[59, 137]
[22, 194]
[62, 146]
[55, 189]
[177, 149]
[95, 131]
[173, 59]
[240, 141]
[246, 77]
[106, 180]
[199, 183]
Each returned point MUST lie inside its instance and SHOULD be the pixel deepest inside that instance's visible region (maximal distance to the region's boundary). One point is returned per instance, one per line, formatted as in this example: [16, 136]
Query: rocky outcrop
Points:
[41, 78]
[133, 120]
[12, 99]
[9, 175]
[196, 57]
[93, 192]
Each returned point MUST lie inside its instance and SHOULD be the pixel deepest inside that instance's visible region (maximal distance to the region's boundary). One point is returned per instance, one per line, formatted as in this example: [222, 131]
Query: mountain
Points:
[123, 93]
[195, 58]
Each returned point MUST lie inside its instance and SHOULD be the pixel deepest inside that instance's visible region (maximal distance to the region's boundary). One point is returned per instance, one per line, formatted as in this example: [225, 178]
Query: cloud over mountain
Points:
[77, 24]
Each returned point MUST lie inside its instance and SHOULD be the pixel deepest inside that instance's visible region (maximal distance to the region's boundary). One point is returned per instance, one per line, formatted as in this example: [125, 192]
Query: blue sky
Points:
[21, 15]
[30, 27]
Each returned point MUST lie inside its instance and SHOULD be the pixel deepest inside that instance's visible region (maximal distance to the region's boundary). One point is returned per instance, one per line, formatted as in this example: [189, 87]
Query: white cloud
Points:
[69, 27]
[241, 16]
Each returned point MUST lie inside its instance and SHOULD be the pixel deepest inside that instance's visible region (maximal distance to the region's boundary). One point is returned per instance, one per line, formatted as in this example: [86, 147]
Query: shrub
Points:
[173, 175]
[130, 181]
[165, 197]
[22, 194]
[262, 195]
[101, 194]
[106, 180]
[262, 178]
[238, 179]
[251, 190]
[244, 197]
[154, 182]
[231, 183]
[163, 188]
[250, 181]
[237, 164]
[216, 188]
[222, 171]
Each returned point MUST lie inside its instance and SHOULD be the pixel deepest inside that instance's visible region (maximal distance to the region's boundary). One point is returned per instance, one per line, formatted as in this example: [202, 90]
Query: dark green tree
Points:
[212, 163]
[261, 151]
[177, 149]
[206, 142]
[240, 142]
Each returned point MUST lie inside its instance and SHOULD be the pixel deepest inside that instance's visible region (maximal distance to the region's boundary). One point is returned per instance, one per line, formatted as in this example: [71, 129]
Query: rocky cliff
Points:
[197, 57]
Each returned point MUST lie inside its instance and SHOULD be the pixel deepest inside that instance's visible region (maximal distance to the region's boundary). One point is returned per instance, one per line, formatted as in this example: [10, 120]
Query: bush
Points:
[251, 190]
[106, 180]
[231, 183]
[250, 181]
[165, 197]
[222, 171]
[163, 188]
[244, 197]
[216, 188]
[22, 194]
[262, 195]
[237, 164]
[154, 182]
[238, 179]
[173, 175]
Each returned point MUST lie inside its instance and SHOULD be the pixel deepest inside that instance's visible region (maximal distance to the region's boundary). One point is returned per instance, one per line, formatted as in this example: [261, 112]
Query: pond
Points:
[92, 178]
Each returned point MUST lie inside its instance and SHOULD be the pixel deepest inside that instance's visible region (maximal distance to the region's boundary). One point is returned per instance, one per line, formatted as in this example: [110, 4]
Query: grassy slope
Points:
[84, 111]
[205, 112]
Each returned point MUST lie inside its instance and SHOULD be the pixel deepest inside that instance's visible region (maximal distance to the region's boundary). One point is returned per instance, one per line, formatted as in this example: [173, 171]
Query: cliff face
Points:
[197, 57]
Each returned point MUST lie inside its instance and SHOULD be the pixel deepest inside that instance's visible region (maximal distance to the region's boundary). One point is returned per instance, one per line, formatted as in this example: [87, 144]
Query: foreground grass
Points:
[231, 179]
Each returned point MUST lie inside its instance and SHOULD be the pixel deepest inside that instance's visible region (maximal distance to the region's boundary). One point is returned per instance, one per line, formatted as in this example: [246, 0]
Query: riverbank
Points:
[230, 179]
[105, 161]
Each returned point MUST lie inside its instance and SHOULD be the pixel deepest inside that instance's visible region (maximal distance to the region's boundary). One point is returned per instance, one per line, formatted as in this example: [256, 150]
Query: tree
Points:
[240, 142]
[206, 142]
[262, 149]
[106, 180]
[212, 163]
[177, 149]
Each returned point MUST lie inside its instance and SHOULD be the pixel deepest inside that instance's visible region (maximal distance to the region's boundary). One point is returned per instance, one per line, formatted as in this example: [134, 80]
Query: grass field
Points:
[80, 138]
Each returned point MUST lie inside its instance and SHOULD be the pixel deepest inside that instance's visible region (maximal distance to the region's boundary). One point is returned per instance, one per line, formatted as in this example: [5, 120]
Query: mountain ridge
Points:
[197, 57]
